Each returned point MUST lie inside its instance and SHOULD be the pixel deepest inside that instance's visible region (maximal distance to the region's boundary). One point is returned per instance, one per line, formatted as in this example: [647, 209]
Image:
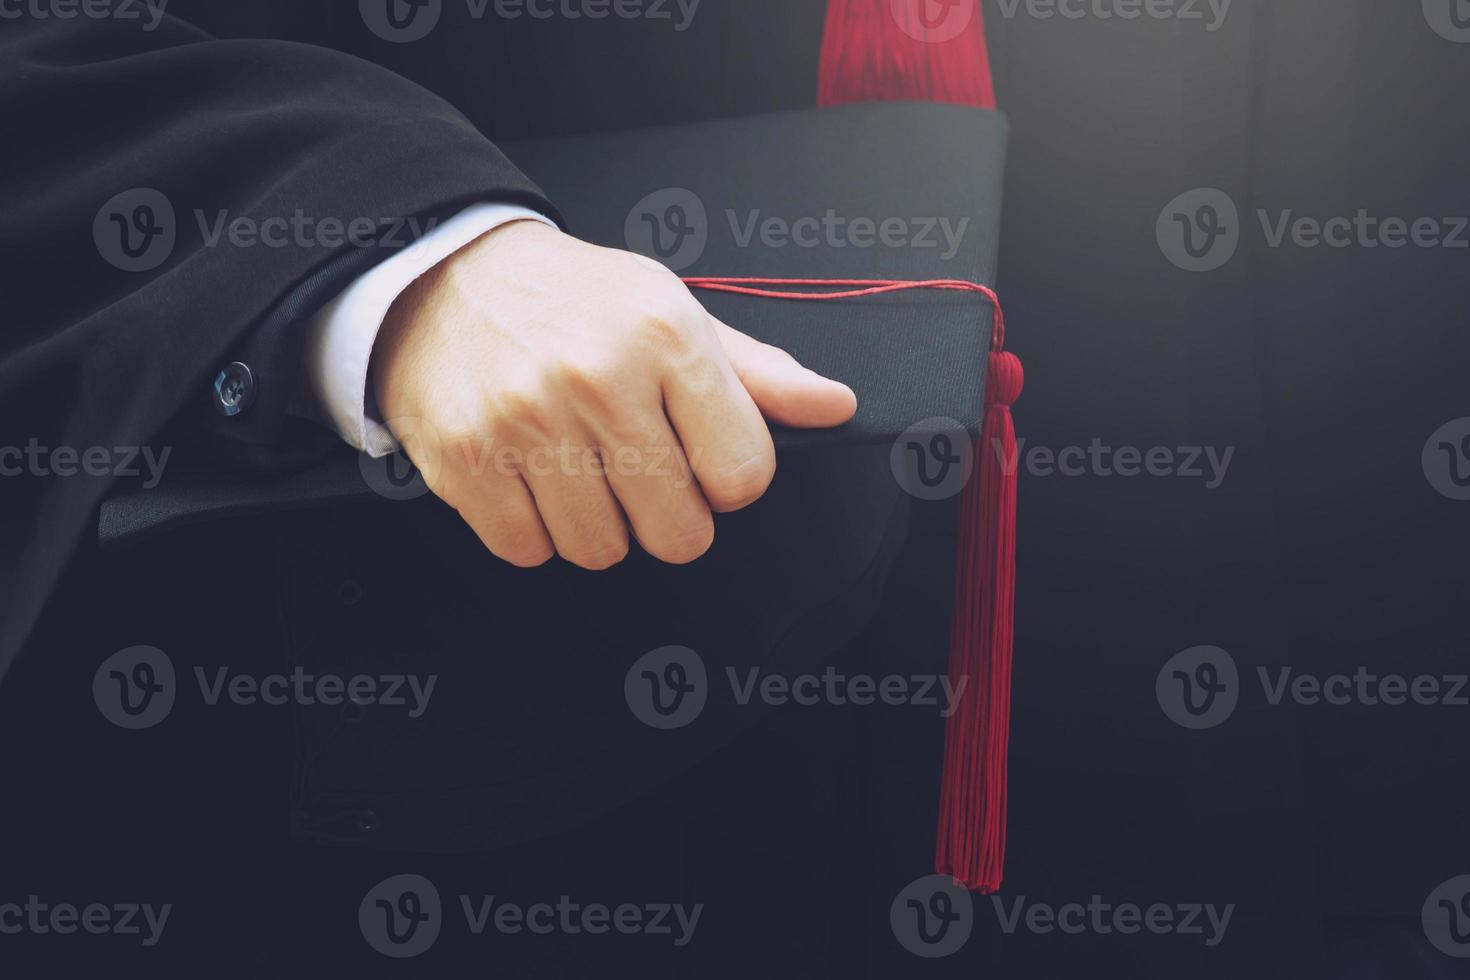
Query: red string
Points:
[751, 286]
[971, 839]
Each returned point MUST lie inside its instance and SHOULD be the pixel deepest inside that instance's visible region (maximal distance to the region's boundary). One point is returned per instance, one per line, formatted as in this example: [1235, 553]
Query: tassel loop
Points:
[1005, 381]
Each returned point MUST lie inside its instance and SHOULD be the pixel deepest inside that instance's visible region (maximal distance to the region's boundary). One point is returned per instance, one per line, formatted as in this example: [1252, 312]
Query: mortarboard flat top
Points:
[881, 191]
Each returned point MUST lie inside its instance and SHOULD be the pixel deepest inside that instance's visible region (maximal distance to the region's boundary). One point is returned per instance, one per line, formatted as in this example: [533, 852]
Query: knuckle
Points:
[742, 485]
[523, 408]
[525, 559]
[598, 558]
[597, 540]
[668, 325]
[523, 547]
[592, 381]
[684, 546]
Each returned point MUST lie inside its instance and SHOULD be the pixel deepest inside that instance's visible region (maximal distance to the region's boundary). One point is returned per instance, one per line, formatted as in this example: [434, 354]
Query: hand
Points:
[558, 394]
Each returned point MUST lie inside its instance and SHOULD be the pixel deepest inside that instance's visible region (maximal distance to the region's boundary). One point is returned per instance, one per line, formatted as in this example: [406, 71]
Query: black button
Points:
[234, 389]
[349, 593]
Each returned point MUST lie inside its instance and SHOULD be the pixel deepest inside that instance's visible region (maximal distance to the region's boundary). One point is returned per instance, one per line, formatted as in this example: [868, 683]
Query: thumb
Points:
[785, 392]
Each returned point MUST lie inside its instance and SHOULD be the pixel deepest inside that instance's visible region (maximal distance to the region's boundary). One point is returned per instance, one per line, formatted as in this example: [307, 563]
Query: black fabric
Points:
[531, 733]
[909, 357]
[95, 356]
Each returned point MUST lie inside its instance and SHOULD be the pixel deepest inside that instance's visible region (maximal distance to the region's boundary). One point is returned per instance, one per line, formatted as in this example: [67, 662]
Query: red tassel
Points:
[935, 50]
[972, 797]
[893, 50]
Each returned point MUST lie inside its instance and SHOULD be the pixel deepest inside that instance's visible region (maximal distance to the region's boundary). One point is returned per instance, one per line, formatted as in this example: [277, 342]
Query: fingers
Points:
[785, 392]
[656, 487]
[721, 429]
[576, 504]
[501, 511]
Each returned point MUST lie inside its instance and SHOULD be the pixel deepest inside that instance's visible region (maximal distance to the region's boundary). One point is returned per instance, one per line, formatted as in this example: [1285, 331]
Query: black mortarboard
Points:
[917, 168]
[891, 191]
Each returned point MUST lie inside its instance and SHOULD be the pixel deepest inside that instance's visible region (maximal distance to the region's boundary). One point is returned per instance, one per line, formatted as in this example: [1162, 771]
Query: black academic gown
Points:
[124, 358]
[1323, 550]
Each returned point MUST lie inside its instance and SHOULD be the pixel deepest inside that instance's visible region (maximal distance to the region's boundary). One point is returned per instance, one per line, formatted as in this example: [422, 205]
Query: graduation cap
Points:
[751, 211]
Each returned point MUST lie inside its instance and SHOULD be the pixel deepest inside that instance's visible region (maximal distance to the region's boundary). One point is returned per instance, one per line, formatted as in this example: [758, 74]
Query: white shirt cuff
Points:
[340, 338]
